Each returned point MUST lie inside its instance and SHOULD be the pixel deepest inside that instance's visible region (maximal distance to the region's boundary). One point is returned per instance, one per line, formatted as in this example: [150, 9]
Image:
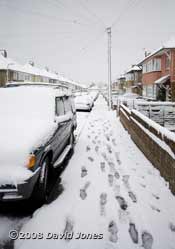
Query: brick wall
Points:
[158, 156]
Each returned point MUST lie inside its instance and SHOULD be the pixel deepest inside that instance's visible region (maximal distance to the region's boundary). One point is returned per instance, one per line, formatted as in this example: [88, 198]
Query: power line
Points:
[101, 22]
[130, 4]
[58, 4]
[23, 11]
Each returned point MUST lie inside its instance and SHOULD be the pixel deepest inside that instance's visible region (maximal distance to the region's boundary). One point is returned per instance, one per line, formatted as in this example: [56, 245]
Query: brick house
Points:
[134, 80]
[158, 75]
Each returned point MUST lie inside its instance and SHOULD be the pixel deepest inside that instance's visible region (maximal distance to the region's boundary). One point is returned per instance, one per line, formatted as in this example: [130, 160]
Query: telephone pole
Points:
[109, 67]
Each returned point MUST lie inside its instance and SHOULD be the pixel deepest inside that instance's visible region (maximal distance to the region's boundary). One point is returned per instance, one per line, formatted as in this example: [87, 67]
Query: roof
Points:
[8, 63]
[170, 44]
[162, 79]
[134, 68]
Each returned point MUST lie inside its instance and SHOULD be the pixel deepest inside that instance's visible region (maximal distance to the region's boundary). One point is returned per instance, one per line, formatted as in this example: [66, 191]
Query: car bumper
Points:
[20, 191]
[83, 107]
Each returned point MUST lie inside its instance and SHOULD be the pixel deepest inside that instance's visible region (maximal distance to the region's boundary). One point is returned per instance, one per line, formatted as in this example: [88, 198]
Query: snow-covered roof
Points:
[170, 44]
[134, 68]
[8, 63]
[162, 79]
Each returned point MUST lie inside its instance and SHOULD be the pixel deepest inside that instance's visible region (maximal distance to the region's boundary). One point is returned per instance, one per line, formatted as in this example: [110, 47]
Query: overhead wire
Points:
[87, 9]
[60, 3]
[23, 11]
[130, 4]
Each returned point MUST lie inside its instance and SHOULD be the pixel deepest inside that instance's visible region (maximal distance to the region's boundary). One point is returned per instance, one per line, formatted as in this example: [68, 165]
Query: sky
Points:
[69, 36]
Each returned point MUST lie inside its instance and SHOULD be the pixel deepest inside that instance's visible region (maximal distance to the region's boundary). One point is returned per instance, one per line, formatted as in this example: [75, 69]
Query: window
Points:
[67, 105]
[129, 76]
[152, 65]
[149, 91]
[167, 62]
[59, 106]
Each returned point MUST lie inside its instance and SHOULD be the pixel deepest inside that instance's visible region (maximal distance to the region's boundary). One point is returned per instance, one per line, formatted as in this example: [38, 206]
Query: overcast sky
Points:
[69, 35]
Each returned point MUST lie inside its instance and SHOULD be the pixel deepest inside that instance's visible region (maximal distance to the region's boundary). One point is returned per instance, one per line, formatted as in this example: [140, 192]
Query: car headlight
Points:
[31, 161]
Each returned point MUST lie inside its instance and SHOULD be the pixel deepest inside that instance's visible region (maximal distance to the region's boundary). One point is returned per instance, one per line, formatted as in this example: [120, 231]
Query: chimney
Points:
[147, 53]
[4, 52]
[32, 63]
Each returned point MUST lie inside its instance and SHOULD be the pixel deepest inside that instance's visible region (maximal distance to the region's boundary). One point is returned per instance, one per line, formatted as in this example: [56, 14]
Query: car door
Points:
[58, 140]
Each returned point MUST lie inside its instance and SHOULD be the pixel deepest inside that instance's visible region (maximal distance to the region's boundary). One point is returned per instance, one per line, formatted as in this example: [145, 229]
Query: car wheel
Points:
[41, 188]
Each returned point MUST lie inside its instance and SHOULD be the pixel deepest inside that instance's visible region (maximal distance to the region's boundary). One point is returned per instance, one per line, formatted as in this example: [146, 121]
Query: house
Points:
[11, 71]
[158, 75]
[134, 79]
[121, 84]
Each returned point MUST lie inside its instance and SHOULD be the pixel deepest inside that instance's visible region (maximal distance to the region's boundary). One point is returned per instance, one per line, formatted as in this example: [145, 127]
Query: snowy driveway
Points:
[112, 195]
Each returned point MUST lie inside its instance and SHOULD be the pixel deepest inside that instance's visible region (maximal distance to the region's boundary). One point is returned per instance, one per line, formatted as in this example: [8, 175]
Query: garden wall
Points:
[155, 141]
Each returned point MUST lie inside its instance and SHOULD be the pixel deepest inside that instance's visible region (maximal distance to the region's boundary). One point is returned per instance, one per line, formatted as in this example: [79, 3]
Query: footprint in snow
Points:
[133, 233]
[83, 193]
[68, 227]
[93, 141]
[89, 136]
[113, 230]
[125, 180]
[102, 166]
[156, 196]
[104, 156]
[109, 148]
[133, 169]
[110, 180]
[116, 174]
[117, 158]
[99, 142]
[143, 185]
[155, 208]
[83, 171]
[91, 159]
[172, 227]
[103, 201]
[147, 240]
[122, 203]
[132, 196]
[88, 148]
[111, 166]
[107, 137]
[114, 142]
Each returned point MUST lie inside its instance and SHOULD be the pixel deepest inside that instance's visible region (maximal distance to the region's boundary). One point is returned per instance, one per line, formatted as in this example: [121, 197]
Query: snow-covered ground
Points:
[112, 194]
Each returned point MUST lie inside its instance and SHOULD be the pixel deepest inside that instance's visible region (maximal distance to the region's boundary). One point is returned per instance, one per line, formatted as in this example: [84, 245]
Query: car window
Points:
[67, 105]
[59, 110]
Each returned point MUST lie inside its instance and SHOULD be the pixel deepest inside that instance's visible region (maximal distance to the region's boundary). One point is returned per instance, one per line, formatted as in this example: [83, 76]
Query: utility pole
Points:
[109, 67]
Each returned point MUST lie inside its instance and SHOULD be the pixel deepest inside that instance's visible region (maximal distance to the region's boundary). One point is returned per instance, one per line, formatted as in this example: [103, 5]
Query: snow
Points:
[166, 45]
[27, 121]
[161, 143]
[161, 130]
[121, 196]
[134, 68]
[162, 79]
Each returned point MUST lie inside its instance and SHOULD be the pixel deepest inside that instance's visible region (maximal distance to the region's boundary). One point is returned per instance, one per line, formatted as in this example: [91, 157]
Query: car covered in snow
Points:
[36, 134]
[84, 103]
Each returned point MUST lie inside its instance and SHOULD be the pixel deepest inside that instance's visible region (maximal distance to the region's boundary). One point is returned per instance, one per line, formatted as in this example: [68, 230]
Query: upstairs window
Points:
[167, 62]
[152, 65]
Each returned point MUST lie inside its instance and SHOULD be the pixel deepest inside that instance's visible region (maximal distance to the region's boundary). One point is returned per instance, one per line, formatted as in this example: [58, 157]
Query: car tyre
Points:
[41, 188]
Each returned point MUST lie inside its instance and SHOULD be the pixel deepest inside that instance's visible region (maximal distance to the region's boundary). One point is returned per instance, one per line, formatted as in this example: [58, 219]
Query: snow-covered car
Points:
[36, 134]
[83, 103]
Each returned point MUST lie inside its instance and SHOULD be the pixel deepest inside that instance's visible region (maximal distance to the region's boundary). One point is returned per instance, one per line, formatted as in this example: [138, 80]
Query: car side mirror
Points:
[63, 118]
